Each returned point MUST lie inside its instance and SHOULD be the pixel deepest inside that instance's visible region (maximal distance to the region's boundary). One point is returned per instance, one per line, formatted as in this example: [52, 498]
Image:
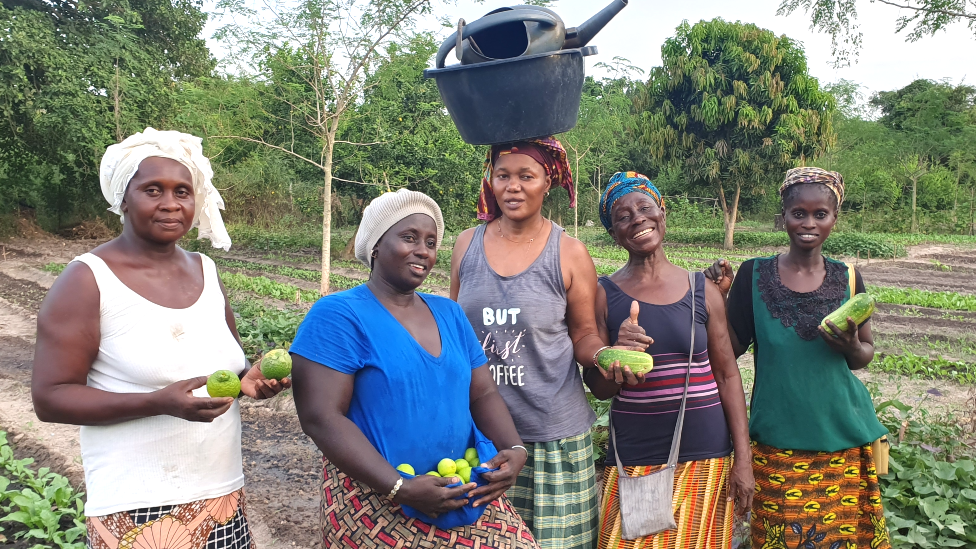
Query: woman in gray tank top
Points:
[529, 291]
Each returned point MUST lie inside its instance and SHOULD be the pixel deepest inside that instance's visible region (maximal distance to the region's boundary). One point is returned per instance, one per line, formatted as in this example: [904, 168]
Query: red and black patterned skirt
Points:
[354, 516]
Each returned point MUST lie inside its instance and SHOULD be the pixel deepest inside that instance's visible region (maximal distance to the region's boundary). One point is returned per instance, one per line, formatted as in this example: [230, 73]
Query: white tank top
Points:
[161, 460]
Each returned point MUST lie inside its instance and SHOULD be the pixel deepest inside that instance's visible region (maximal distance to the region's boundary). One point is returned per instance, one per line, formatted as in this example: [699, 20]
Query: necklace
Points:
[529, 241]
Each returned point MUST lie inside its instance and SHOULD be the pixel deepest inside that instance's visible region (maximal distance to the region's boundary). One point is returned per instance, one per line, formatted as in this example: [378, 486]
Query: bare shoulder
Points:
[75, 291]
[573, 248]
[462, 242]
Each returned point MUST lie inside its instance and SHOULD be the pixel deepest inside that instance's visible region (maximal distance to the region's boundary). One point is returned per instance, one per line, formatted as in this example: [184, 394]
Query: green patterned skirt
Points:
[556, 493]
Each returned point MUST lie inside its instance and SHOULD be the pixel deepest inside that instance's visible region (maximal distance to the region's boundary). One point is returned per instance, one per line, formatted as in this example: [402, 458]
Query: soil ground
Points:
[282, 465]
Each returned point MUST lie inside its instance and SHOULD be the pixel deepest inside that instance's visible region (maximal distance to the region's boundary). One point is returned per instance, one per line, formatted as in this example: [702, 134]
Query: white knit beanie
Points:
[386, 211]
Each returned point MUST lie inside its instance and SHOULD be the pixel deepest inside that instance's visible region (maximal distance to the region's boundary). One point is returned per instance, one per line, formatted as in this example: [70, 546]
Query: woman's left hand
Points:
[509, 463]
[846, 342]
[742, 486]
[258, 387]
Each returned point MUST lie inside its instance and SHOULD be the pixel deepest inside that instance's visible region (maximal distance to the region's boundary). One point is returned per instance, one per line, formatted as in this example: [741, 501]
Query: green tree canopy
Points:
[733, 107]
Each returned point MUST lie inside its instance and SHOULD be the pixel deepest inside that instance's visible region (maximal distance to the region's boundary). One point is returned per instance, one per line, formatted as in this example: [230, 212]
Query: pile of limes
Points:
[448, 467]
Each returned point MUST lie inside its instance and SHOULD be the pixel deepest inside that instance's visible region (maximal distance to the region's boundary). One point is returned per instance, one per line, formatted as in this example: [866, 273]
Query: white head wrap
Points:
[386, 211]
[121, 161]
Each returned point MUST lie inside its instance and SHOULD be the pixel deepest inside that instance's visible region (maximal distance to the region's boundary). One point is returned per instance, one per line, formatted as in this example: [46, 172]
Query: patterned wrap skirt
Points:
[218, 523]
[354, 516]
[556, 493]
[702, 509]
[817, 500]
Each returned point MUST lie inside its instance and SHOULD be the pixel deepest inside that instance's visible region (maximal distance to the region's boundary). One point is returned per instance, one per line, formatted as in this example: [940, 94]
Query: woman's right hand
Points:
[177, 400]
[620, 374]
[431, 496]
[721, 274]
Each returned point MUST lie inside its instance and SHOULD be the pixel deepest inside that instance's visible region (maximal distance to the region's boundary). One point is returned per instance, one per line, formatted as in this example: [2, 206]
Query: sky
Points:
[886, 61]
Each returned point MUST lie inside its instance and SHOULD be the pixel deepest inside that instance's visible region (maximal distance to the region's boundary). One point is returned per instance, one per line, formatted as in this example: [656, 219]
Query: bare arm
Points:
[492, 417]
[68, 336]
[457, 254]
[602, 384]
[322, 397]
[732, 395]
[579, 276]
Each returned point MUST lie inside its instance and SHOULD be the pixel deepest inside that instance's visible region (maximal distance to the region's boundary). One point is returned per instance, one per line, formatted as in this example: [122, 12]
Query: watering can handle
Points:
[486, 22]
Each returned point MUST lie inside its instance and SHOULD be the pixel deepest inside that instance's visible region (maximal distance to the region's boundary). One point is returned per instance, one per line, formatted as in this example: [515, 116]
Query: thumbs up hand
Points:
[631, 336]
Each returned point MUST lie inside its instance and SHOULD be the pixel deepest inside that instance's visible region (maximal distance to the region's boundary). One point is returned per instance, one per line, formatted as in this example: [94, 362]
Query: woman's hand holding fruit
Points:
[269, 376]
[846, 341]
[431, 496]
[508, 462]
[620, 374]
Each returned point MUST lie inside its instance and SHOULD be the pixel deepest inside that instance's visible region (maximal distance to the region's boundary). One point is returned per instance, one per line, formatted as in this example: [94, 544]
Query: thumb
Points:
[195, 383]
[634, 311]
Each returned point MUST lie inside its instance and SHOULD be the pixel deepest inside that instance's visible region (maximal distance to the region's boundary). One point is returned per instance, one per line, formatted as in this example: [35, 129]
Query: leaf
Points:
[797, 529]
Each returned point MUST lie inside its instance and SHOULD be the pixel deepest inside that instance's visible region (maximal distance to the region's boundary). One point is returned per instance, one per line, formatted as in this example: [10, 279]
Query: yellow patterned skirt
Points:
[828, 500]
[702, 509]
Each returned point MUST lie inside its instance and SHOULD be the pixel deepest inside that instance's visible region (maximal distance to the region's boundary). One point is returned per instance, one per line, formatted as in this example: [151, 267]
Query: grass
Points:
[921, 367]
[951, 301]
[54, 268]
[264, 328]
[38, 509]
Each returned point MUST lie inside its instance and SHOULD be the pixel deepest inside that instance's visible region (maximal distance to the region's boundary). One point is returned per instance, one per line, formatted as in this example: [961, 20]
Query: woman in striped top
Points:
[654, 294]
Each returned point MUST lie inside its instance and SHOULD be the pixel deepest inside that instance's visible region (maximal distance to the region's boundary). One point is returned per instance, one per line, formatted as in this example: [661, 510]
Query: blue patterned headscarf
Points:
[623, 183]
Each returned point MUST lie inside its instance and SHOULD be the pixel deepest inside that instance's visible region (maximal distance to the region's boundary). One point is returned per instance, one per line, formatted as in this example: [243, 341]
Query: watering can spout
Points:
[581, 35]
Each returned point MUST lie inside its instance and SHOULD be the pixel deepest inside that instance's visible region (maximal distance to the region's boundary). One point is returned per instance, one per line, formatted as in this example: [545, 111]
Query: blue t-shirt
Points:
[412, 406]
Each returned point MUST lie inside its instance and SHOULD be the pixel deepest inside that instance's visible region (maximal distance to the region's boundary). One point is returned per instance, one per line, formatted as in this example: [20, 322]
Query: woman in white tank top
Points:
[126, 339]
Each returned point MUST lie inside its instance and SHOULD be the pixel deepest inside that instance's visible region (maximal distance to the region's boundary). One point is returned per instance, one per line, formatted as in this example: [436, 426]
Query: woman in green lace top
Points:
[812, 421]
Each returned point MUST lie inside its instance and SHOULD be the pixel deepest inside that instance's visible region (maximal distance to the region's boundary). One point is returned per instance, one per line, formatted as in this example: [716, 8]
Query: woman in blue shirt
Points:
[386, 376]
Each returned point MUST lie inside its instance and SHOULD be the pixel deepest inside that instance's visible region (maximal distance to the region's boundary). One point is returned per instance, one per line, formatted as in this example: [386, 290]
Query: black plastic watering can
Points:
[518, 31]
[520, 74]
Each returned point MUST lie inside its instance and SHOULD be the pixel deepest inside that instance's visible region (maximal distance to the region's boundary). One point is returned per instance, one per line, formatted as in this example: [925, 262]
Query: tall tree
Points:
[75, 77]
[733, 107]
[316, 55]
[838, 18]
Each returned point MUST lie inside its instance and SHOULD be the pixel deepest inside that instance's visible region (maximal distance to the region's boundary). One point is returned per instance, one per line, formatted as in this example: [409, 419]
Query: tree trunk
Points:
[349, 252]
[730, 214]
[914, 204]
[972, 220]
[327, 214]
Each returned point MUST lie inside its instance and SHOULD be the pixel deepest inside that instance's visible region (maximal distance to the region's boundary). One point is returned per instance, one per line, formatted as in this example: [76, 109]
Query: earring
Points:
[373, 255]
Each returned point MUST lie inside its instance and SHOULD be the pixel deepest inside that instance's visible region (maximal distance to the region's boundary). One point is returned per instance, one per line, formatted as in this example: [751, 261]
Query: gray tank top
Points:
[521, 322]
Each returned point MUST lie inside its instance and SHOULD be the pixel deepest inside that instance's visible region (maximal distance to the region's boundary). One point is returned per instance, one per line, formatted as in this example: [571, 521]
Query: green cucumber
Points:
[859, 308]
[639, 363]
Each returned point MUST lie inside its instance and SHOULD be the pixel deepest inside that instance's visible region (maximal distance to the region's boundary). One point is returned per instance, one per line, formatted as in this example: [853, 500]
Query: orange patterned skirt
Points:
[217, 523]
[702, 509]
[828, 500]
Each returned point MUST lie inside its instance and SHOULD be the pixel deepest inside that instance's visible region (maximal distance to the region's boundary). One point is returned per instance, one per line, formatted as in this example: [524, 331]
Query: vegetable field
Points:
[923, 378]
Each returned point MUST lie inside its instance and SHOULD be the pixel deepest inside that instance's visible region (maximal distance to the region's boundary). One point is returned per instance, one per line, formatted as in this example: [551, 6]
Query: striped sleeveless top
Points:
[644, 415]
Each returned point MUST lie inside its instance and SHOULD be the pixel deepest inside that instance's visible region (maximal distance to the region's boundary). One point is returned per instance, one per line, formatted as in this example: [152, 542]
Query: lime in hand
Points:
[432, 473]
[223, 383]
[465, 475]
[276, 364]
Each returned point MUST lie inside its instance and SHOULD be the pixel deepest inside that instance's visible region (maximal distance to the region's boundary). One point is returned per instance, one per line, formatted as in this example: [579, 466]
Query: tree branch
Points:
[928, 9]
[266, 144]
